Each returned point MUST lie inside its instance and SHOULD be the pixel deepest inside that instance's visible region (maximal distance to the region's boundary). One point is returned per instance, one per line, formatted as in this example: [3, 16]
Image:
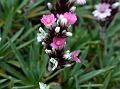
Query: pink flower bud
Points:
[48, 20]
[58, 42]
[74, 55]
[71, 18]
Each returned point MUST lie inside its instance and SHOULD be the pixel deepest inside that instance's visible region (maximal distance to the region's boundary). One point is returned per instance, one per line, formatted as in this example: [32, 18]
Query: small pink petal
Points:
[74, 55]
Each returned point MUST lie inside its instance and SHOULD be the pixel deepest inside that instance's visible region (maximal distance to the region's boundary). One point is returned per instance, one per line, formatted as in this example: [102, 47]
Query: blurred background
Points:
[23, 63]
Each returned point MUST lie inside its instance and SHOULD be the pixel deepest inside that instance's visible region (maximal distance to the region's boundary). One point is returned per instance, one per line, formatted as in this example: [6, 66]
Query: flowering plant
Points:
[59, 25]
[68, 52]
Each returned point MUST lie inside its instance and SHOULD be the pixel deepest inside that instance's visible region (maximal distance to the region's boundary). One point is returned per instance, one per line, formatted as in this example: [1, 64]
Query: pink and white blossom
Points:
[58, 42]
[62, 20]
[102, 11]
[48, 20]
[74, 55]
[71, 18]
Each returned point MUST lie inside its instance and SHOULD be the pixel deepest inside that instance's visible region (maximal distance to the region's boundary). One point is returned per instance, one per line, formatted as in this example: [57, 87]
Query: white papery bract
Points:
[62, 20]
[43, 86]
[54, 62]
[42, 35]
[48, 51]
[68, 34]
[49, 5]
[57, 29]
[67, 55]
[72, 9]
[115, 5]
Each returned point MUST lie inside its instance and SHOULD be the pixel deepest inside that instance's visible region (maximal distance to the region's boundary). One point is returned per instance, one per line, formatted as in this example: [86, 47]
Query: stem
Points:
[46, 1]
[103, 38]
[56, 73]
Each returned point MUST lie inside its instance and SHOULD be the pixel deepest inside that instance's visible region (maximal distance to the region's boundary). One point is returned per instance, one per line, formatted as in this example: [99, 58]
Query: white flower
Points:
[115, 5]
[57, 29]
[67, 55]
[68, 34]
[54, 62]
[43, 86]
[102, 11]
[81, 2]
[41, 35]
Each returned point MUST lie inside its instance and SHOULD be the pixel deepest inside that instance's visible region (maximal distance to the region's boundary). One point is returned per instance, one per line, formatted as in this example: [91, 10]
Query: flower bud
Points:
[41, 30]
[61, 17]
[48, 51]
[115, 5]
[55, 63]
[64, 31]
[49, 5]
[68, 34]
[63, 21]
[43, 43]
[68, 65]
[72, 9]
[57, 29]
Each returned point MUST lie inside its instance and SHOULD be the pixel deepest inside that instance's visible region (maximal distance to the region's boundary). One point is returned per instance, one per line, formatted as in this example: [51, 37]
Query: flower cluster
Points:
[106, 10]
[58, 24]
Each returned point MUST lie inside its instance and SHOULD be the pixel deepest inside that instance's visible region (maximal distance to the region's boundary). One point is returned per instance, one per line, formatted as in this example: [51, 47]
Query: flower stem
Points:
[103, 38]
[104, 45]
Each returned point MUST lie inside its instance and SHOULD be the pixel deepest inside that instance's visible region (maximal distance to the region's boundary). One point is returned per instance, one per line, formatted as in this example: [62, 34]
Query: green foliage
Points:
[23, 62]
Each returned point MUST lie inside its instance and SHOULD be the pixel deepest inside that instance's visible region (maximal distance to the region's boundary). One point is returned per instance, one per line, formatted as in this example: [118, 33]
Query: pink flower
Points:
[71, 18]
[81, 2]
[102, 11]
[58, 42]
[48, 20]
[74, 55]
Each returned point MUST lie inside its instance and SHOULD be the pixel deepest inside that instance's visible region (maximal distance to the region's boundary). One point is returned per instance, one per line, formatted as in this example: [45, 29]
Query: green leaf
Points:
[107, 80]
[92, 74]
